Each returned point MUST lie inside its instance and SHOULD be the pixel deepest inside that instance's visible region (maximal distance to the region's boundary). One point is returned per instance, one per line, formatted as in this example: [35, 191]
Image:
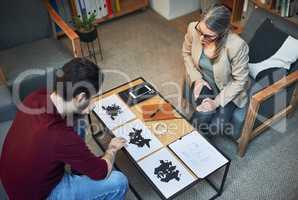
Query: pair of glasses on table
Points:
[207, 37]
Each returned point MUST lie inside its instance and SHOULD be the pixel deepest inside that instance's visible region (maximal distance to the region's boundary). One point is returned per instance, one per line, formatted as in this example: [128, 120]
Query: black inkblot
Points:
[136, 138]
[112, 110]
[166, 171]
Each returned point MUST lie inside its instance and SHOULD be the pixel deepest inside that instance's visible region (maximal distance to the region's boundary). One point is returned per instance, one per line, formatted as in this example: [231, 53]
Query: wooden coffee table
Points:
[178, 127]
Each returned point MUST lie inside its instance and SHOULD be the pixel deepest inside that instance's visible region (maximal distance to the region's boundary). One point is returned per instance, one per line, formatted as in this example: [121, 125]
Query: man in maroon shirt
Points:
[40, 142]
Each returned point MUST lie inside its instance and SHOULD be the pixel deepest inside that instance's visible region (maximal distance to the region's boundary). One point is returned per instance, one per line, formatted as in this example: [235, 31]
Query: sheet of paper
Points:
[166, 172]
[141, 141]
[113, 111]
[198, 154]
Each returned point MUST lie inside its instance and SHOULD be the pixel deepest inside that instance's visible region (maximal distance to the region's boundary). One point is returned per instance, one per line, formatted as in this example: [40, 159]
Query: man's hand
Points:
[207, 105]
[199, 84]
[116, 144]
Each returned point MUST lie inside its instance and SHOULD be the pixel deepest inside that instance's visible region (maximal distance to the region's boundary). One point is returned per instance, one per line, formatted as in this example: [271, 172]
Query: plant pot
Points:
[88, 36]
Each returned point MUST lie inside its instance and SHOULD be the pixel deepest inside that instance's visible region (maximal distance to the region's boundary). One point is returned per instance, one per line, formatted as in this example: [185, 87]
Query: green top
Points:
[207, 72]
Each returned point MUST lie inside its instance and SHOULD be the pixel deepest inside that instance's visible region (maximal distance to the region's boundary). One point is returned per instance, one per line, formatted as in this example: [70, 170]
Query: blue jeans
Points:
[73, 187]
[213, 122]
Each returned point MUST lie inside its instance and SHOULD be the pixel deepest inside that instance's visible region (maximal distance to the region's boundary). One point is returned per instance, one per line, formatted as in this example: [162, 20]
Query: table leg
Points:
[220, 189]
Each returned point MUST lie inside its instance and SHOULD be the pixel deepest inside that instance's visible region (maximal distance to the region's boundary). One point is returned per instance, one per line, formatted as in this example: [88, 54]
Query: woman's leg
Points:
[201, 120]
[73, 187]
[222, 119]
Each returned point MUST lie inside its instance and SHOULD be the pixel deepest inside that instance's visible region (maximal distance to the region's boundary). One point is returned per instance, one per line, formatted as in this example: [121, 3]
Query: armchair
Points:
[280, 94]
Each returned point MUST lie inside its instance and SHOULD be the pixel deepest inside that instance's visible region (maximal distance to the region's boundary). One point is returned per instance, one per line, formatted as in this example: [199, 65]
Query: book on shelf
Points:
[80, 7]
[117, 6]
[109, 7]
[104, 8]
[90, 6]
[292, 9]
[99, 8]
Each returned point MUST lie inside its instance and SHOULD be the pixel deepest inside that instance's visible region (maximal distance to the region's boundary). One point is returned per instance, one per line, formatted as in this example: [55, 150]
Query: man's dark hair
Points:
[77, 76]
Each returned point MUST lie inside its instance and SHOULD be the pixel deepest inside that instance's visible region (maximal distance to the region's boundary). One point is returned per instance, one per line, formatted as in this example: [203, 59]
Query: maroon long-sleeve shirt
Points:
[36, 149]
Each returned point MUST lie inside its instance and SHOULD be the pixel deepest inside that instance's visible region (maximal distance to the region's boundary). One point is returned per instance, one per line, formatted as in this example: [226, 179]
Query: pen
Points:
[153, 114]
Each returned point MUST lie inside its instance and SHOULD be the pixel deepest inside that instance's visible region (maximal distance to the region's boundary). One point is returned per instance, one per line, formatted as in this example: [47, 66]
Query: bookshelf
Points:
[127, 6]
[271, 8]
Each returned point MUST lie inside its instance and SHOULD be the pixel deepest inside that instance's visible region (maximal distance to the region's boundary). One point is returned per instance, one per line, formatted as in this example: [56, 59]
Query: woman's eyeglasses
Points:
[209, 38]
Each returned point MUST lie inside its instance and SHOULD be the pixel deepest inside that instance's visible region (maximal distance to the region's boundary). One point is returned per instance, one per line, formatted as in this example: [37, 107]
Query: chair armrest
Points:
[3, 80]
[70, 33]
[276, 87]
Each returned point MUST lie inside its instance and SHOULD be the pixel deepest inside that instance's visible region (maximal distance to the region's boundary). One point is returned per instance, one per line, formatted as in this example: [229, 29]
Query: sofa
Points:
[278, 89]
[28, 41]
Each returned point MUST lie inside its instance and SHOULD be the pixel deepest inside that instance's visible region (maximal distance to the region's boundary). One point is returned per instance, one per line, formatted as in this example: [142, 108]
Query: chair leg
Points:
[248, 127]
[242, 146]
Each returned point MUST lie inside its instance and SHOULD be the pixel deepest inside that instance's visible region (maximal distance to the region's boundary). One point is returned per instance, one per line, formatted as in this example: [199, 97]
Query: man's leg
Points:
[73, 187]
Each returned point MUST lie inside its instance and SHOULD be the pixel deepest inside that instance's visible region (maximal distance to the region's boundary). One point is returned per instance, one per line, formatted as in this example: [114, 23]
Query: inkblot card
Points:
[167, 173]
[140, 140]
[113, 111]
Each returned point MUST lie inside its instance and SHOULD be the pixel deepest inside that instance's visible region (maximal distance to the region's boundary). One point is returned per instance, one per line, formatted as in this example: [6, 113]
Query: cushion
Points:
[277, 51]
[259, 15]
[42, 54]
[7, 108]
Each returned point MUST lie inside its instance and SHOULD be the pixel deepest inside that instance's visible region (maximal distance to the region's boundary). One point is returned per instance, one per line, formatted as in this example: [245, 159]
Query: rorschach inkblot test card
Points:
[140, 140]
[113, 111]
[166, 172]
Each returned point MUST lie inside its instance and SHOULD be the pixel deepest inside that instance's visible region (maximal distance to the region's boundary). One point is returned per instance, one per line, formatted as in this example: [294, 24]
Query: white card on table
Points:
[140, 140]
[166, 172]
[198, 154]
[113, 111]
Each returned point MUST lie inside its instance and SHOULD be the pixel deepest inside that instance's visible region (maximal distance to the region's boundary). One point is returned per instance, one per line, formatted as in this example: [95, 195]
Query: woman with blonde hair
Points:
[216, 62]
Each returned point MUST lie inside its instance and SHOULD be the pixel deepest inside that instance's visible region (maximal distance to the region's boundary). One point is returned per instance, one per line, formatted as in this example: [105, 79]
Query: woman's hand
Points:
[207, 105]
[199, 84]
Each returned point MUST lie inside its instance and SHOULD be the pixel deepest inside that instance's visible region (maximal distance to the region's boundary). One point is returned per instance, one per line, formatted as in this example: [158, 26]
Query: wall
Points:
[171, 9]
[161, 6]
[179, 8]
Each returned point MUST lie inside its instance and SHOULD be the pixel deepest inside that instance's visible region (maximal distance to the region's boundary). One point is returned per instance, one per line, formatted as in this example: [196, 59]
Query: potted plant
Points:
[85, 26]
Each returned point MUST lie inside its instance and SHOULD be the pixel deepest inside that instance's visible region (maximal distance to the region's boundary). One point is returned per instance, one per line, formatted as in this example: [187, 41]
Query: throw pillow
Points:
[271, 48]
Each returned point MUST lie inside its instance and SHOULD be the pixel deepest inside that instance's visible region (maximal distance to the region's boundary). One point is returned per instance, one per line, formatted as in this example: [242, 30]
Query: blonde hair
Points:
[217, 19]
